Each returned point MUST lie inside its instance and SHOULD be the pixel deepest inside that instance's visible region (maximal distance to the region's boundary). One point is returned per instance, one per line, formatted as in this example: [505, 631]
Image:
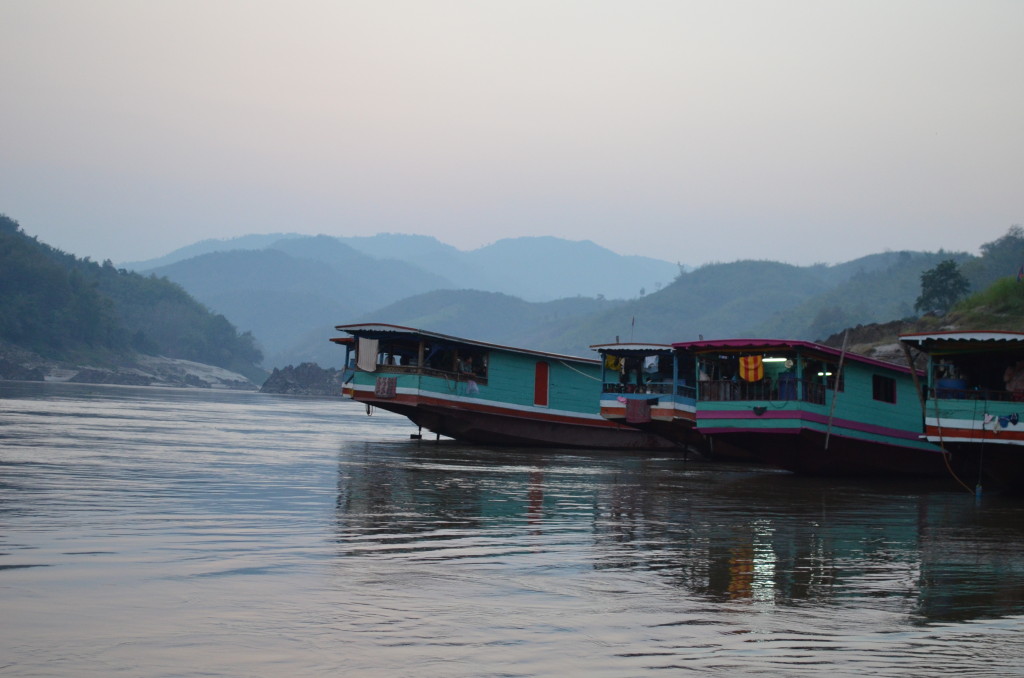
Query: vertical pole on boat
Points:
[917, 382]
[922, 394]
[835, 390]
[675, 373]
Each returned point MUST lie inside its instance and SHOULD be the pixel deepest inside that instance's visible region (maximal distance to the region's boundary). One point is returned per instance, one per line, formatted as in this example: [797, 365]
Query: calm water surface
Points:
[152, 532]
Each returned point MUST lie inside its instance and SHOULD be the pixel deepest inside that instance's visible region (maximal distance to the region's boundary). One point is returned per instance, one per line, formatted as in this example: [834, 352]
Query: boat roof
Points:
[387, 331]
[784, 344]
[965, 343]
[632, 349]
[971, 337]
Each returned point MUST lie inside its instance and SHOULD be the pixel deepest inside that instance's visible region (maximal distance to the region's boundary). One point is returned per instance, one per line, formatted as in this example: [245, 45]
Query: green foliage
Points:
[998, 307]
[61, 306]
[941, 287]
[47, 307]
[880, 290]
[1000, 258]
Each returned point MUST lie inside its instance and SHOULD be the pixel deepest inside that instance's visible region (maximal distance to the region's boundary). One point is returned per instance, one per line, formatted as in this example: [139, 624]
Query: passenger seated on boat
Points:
[1013, 377]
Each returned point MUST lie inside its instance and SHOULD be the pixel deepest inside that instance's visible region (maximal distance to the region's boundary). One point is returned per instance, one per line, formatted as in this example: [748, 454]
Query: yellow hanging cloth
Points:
[751, 368]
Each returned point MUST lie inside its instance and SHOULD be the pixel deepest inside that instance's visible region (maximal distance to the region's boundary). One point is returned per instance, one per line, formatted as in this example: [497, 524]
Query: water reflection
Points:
[720, 533]
[185, 533]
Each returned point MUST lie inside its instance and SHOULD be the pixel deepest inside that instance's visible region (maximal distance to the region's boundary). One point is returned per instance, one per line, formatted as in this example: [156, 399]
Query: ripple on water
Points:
[163, 532]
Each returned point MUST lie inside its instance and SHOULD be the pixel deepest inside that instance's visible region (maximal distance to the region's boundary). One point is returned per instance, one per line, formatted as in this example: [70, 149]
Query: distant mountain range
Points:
[545, 293]
[290, 290]
[532, 268]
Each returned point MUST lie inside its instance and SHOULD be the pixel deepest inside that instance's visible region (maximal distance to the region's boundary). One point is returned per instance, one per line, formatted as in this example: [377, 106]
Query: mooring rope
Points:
[579, 372]
[942, 446]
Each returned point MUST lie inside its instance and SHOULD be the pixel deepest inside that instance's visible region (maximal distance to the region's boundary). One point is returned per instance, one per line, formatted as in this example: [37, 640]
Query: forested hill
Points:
[721, 300]
[69, 309]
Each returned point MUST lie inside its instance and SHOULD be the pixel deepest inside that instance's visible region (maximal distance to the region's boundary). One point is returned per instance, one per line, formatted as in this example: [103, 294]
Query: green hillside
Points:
[998, 307]
[717, 300]
[869, 295]
[743, 298]
[69, 309]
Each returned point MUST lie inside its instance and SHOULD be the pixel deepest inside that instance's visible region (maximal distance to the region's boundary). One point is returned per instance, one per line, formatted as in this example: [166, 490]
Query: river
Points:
[175, 532]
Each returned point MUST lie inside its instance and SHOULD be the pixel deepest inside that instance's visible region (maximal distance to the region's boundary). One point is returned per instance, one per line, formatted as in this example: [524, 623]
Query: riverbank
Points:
[140, 370]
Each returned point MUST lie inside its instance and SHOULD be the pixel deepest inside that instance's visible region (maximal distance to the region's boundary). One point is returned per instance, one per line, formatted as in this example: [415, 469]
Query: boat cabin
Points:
[973, 365]
[639, 368]
[416, 353]
[738, 370]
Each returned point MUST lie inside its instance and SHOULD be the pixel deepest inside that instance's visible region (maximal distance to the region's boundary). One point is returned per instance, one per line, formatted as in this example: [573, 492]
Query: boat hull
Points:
[990, 454]
[490, 424]
[993, 467]
[803, 451]
[804, 438]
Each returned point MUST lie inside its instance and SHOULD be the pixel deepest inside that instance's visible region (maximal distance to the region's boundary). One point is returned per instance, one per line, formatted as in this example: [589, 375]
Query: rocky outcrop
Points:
[19, 372]
[306, 379]
[881, 340]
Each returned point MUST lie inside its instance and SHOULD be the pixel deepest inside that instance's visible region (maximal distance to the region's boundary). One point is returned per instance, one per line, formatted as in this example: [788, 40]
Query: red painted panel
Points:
[540, 384]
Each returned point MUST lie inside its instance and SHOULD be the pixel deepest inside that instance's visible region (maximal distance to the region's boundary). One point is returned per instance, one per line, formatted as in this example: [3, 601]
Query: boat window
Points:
[407, 354]
[468, 362]
[883, 388]
[825, 373]
[471, 363]
[979, 376]
[652, 373]
[767, 375]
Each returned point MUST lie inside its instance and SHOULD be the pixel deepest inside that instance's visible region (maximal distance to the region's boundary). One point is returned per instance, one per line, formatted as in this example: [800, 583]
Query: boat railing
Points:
[430, 372]
[976, 393]
[653, 387]
[779, 390]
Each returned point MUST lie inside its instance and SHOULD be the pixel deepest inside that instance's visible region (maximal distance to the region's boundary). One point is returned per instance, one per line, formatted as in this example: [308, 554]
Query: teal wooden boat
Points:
[650, 387]
[484, 393]
[810, 408]
[973, 402]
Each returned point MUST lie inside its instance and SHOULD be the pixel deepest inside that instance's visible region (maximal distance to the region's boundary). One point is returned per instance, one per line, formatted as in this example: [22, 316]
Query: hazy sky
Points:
[805, 132]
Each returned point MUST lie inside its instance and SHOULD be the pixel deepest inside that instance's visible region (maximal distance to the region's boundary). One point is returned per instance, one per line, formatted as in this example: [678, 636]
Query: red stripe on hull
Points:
[1002, 436]
[494, 425]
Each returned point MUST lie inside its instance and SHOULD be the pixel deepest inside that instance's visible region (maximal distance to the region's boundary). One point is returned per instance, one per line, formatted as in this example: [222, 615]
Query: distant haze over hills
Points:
[287, 287]
[546, 293]
[532, 268]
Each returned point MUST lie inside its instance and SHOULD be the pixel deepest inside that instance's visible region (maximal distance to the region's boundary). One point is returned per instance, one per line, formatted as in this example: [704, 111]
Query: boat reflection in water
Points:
[718, 532]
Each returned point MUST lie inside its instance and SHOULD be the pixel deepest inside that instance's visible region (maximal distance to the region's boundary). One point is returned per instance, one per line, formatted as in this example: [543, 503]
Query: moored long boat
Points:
[485, 393]
[810, 408]
[651, 387]
[973, 402]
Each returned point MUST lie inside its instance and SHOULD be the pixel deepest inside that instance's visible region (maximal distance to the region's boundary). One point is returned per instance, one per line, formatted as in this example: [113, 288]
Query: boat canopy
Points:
[631, 349]
[928, 341]
[384, 331]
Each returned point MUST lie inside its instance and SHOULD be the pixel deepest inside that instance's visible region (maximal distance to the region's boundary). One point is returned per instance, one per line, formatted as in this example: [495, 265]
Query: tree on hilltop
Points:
[941, 287]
